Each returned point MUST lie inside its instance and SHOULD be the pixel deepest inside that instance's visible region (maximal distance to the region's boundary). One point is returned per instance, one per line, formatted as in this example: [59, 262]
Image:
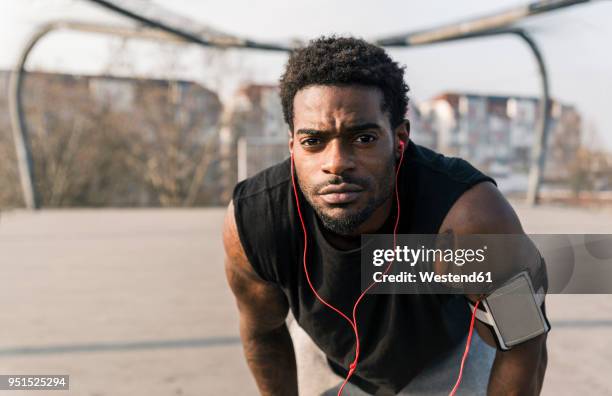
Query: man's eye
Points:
[310, 141]
[365, 138]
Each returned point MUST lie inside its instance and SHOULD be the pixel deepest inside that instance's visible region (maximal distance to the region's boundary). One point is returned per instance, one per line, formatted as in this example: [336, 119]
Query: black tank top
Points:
[400, 334]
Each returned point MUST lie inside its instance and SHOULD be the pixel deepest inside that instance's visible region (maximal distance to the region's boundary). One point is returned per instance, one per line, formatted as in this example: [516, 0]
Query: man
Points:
[344, 101]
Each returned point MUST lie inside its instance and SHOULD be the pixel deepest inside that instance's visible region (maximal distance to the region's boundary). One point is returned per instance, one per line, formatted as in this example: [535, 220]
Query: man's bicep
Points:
[262, 304]
[482, 210]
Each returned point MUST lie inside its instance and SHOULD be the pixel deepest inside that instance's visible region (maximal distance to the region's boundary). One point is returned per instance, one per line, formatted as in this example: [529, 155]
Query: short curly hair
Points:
[341, 61]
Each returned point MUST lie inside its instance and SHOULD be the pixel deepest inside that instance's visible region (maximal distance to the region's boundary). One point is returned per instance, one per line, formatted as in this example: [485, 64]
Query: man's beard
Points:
[348, 224]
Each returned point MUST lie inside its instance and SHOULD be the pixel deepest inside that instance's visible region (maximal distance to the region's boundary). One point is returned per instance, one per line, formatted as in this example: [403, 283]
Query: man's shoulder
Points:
[270, 179]
[452, 168]
[260, 207]
[436, 185]
[482, 209]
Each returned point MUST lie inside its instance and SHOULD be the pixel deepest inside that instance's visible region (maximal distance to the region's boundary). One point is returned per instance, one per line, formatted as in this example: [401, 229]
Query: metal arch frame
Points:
[480, 27]
[22, 141]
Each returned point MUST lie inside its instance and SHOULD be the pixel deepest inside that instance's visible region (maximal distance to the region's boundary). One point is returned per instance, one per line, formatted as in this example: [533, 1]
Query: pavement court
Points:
[135, 302]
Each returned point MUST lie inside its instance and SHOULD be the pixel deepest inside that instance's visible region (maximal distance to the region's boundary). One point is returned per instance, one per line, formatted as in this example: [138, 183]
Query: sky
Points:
[575, 43]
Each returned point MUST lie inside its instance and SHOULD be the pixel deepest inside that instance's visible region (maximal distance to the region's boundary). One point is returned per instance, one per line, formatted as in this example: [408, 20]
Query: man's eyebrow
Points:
[363, 127]
[352, 129]
[306, 131]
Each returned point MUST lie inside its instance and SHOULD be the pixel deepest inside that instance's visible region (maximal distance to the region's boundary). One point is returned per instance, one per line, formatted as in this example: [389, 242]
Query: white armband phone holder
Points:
[514, 311]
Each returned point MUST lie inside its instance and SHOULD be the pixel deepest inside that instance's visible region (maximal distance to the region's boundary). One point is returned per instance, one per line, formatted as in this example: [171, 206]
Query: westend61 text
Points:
[429, 277]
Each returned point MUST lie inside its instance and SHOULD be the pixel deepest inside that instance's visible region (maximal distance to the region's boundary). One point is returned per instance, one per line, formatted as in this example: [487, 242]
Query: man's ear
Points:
[290, 133]
[402, 134]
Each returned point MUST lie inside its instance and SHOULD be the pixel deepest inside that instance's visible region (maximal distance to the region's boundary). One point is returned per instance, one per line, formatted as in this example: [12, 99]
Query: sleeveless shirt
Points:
[400, 334]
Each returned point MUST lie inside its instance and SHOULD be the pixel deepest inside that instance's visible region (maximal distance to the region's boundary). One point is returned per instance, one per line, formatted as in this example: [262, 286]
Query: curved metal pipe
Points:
[19, 126]
[228, 41]
[23, 149]
[538, 151]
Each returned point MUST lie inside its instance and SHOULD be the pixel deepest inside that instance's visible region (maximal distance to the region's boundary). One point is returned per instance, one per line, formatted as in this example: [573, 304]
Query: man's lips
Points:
[340, 193]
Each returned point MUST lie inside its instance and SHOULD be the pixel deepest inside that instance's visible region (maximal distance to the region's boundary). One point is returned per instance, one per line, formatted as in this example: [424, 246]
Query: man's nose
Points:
[338, 159]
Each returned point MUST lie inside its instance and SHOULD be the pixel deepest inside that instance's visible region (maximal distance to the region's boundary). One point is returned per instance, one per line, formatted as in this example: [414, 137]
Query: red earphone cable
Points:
[467, 350]
[353, 321]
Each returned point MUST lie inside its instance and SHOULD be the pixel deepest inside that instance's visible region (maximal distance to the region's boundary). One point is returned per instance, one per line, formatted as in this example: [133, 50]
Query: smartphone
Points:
[514, 311]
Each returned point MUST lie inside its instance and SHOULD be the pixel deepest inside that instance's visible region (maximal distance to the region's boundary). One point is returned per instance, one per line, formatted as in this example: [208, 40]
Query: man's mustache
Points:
[358, 181]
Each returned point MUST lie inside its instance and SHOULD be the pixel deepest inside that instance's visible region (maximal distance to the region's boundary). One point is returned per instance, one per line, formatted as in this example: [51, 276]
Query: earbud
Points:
[401, 153]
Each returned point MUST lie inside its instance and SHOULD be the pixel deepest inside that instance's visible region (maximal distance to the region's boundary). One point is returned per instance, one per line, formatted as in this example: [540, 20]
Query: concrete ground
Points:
[134, 302]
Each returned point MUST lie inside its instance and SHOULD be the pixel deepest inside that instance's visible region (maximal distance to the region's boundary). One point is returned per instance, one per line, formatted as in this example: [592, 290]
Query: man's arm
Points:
[483, 210]
[262, 308]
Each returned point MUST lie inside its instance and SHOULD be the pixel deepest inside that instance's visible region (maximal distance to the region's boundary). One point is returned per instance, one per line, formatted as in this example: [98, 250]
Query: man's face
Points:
[344, 151]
